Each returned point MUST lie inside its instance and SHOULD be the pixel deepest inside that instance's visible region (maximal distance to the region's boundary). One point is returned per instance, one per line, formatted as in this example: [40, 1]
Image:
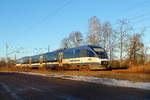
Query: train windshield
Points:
[101, 53]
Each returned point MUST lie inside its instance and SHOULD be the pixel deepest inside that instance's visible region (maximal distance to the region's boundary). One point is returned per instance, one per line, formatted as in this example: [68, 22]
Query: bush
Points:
[8, 63]
[116, 64]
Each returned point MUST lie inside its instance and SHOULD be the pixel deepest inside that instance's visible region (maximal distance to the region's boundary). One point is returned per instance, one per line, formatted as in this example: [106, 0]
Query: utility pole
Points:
[48, 48]
[6, 51]
[15, 57]
[18, 50]
[6, 54]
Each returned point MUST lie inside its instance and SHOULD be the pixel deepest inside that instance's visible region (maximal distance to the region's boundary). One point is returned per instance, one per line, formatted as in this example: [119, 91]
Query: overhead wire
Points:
[136, 6]
[139, 16]
[145, 2]
[67, 2]
[57, 10]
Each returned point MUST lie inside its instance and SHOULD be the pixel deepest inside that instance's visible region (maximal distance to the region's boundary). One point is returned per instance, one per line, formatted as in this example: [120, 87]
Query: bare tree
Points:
[136, 49]
[147, 55]
[109, 40]
[75, 39]
[106, 34]
[65, 43]
[11, 63]
[2, 62]
[8, 63]
[93, 36]
[122, 33]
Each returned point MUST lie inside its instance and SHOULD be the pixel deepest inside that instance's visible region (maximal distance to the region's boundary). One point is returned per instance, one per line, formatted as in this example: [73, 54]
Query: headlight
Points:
[104, 62]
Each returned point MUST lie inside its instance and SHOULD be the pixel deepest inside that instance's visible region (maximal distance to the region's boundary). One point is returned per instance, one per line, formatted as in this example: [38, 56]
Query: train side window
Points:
[35, 59]
[77, 53]
[83, 53]
[48, 57]
[73, 54]
[68, 54]
[65, 54]
[51, 57]
[91, 54]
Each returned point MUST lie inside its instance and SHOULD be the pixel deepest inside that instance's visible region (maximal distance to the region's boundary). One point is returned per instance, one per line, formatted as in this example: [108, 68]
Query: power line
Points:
[139, 21]
[56, 10]
[16, 51]
[51, 14]
[136, 5]
[139, 16]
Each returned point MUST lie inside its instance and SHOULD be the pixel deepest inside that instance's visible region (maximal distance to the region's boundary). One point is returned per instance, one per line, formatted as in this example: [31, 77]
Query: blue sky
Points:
[38, 23]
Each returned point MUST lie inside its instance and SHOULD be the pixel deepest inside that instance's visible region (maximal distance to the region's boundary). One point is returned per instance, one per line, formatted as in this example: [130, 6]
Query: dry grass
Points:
[140, 69]
[136, 74]
[17, 69]
[5, 69]
[121, 75]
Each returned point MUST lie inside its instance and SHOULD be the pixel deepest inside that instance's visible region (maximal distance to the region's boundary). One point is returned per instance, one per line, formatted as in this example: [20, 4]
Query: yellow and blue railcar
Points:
[83, 57]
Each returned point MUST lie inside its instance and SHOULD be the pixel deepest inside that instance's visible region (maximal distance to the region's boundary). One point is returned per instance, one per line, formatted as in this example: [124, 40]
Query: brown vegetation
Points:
[140, 69]
[7, 63]
[137, 74]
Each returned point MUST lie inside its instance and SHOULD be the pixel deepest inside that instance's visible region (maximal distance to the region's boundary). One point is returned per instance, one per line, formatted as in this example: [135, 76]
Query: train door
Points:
[60, 57]
[30, 62]
[41, 61]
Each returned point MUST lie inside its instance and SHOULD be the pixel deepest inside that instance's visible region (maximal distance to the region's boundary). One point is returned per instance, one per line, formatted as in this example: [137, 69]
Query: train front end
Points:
[101, 58]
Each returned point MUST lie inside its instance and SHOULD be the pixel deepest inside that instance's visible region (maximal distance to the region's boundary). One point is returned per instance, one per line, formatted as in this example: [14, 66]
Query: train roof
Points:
[94, 46]
[83, 47]
[63, 49]
[86, 46]
[60, 50]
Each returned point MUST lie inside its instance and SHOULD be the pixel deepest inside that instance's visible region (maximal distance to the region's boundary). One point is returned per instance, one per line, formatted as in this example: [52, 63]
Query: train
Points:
[89, 57]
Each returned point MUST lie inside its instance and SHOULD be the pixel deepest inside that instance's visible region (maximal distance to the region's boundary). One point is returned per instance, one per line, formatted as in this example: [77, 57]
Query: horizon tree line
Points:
[121, 43]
